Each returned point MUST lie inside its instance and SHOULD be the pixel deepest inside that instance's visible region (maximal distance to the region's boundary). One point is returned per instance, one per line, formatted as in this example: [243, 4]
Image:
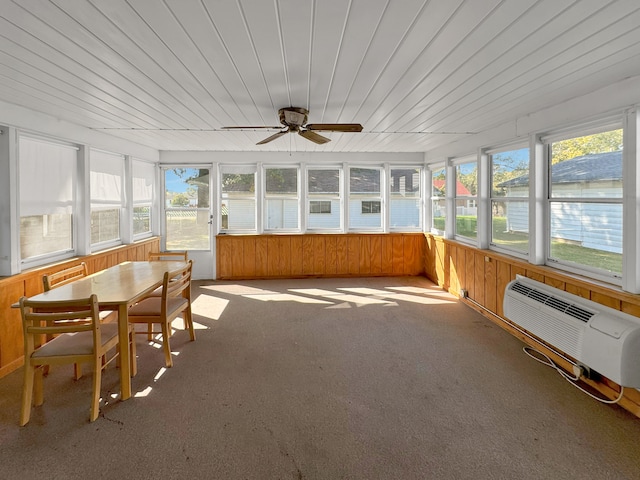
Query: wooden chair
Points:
[65, 276]
[174, 301]
[153, 256]
[79, 337]
[57, 279]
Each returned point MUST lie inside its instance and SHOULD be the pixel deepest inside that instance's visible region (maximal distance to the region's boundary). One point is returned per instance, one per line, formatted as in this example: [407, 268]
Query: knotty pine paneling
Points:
[278, 256]
[29, 283]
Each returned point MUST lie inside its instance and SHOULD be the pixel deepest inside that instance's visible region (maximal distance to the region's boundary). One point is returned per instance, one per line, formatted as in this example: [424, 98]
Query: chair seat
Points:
[80, 343]
[152, 307]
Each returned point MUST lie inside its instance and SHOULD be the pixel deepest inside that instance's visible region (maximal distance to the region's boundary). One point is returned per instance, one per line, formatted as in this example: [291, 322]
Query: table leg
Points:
[125, 360]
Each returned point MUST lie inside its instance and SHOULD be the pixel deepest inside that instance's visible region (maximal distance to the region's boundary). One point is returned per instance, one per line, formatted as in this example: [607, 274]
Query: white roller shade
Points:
[107, 171]
[144, 175]
[47, 177]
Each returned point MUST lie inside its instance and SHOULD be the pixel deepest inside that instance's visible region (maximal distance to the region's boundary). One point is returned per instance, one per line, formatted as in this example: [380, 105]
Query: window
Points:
[187, 213]
[438, 203]
[510, 199]
[466, 198]
[324, 197]
[320, 206]
[143, 190]
[238, 198]
[47, 198]
[281, 199]
[365, 187]
[585, 202]
[405, 207]
[370, 206]
[106, 179]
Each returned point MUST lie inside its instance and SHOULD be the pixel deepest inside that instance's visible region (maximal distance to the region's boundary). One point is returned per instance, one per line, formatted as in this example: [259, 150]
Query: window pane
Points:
[438, 183]
[44, 234]
[364, 190]
[324, 181]
[587, 167]
[466, 206]
[364, 180]
[282, 213]
[404, 200]
[141, 220]
[327, 217]
[510, 173]
[588, 234]
[281, 181]
[510, 224]
[438, 214]
[105, 225]
[46, 194]
[187, 229]
[238, 201]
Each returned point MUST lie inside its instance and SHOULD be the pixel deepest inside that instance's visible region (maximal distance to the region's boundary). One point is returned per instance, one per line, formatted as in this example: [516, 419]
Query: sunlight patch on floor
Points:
[236, 289]
[340, 297]
[285, 297]
[209, 306]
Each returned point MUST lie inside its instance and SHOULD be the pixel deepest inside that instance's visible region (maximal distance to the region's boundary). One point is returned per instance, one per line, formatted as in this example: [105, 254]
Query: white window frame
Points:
[51, 257]
[433, 169]
[136, 202]
[117, 205]
[523, 199]
[223, 196]
[325, 196]
[360, 197]
[547, 140]
[454, 163]
[419, 198]
[283, 197]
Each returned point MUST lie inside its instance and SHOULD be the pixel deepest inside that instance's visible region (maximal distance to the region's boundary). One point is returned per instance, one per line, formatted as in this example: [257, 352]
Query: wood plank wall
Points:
[485, 275]
[319, 255]
[30, 283]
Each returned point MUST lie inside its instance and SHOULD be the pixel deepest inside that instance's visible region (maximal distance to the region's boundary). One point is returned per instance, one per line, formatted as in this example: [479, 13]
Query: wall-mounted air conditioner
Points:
[599, 337]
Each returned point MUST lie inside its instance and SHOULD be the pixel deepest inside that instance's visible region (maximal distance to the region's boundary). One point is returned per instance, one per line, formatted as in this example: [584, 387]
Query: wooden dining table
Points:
[117, 288]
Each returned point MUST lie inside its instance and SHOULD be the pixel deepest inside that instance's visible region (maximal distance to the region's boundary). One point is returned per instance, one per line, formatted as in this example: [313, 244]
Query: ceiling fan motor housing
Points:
[293, 116]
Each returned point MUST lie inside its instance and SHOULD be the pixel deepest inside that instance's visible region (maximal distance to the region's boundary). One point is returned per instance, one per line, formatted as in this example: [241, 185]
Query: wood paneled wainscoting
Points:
[319, 255]
[29, 283]
[484, 274]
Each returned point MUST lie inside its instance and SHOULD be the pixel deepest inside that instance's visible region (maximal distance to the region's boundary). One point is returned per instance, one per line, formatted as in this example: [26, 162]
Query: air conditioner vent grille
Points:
[553, 302]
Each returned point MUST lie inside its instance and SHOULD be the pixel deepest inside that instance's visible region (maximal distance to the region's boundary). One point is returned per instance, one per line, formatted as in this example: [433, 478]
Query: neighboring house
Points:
[592, 225]
[463, 206]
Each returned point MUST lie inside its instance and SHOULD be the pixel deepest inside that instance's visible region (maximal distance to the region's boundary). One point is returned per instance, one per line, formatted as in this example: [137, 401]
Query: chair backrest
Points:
[52, 318]
[178, 282]
[65, 276]
[153, 256]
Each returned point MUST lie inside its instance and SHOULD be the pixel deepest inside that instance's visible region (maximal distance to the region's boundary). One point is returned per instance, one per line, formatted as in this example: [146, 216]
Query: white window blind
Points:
[143, 180]
[47, 177]
[107, 171]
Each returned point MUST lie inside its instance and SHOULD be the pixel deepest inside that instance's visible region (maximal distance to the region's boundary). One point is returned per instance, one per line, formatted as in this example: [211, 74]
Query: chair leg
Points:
[188, 323]
[77, 371]
[166, 333]
[132, 351]
[97, 382]
[27, 393]
[38, 387]
[150, 332]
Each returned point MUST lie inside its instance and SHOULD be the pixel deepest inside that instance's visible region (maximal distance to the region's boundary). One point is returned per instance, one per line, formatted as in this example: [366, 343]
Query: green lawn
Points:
[560, 250]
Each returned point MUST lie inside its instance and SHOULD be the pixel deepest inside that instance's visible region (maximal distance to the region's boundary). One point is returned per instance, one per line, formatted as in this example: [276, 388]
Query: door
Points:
[188, 216]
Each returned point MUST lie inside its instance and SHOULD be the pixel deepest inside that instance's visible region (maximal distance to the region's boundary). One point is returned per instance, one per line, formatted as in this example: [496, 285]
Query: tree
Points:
[576, 147]
[180, 200]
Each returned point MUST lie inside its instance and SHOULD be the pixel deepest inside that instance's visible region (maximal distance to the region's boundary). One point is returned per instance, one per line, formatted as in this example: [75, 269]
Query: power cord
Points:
[571, 379]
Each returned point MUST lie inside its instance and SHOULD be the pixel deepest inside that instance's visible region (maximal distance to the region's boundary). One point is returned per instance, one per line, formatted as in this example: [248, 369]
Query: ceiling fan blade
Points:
[252, 128]
[272, 137]
[335, 127]
[314, 137]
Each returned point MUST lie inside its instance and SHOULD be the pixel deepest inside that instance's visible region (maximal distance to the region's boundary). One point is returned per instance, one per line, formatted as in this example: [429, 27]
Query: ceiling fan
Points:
[294, 119]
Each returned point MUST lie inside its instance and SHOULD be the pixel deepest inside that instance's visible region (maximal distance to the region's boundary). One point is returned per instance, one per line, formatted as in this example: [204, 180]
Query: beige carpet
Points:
[374, 378]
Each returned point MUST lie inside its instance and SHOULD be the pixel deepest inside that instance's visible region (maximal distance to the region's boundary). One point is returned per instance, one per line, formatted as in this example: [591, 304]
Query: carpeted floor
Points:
[370, 378]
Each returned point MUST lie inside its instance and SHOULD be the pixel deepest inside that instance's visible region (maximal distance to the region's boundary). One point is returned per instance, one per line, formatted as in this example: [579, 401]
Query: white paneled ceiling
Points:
[416, 74]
